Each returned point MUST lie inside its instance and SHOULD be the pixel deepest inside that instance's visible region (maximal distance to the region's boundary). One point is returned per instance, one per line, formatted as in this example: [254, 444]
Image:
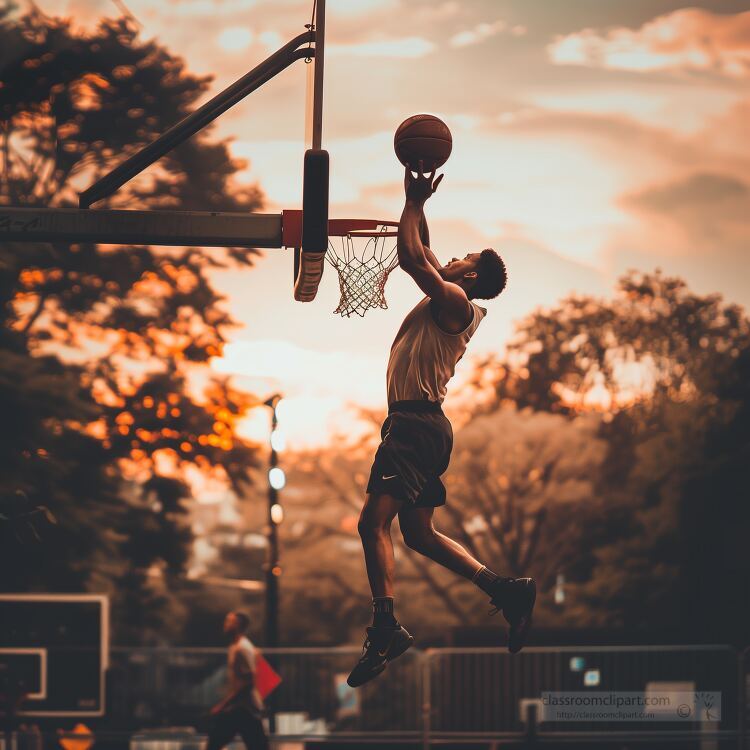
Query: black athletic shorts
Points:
[417, 440]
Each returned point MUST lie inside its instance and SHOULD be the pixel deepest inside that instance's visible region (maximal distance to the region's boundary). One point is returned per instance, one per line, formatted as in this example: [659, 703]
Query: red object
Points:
[266, 677]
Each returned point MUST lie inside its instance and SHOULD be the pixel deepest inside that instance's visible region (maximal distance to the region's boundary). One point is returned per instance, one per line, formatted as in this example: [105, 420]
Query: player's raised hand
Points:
[421, 187]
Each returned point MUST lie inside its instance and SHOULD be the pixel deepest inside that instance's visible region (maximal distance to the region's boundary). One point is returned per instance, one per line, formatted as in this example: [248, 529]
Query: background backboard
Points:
[57, 648]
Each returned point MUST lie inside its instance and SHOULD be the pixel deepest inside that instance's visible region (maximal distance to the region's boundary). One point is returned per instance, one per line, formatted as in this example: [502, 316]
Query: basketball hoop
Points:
[363, 260]
[363, 252]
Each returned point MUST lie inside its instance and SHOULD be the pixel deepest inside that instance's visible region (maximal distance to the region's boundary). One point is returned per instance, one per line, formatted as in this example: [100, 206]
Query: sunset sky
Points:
[589, 137]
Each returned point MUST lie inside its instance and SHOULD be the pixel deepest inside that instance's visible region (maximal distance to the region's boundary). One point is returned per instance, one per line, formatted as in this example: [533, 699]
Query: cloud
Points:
[209, 8]
[337, 8]
[431, 12]
[318, 386]
[710, 191]
[703, 212]
[690, 39]
[696, 226]
[235, 39]
[271, 40]
[613, 134]
[406, 47]
[478, 34]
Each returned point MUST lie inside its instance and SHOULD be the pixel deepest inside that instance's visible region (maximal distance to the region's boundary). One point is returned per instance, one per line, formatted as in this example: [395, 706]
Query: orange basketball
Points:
[424, 137]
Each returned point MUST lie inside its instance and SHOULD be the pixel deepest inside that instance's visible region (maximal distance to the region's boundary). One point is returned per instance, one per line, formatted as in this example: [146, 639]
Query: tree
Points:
[667, 371]
[520, 485]
[98, 342]
[654, 341]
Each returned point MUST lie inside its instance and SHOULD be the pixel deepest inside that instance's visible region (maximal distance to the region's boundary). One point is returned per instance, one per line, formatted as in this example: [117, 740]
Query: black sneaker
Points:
[515, 597]
[381, 646]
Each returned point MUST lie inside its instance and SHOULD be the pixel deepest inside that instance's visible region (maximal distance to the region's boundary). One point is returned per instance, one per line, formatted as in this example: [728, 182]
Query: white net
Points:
[363, 261]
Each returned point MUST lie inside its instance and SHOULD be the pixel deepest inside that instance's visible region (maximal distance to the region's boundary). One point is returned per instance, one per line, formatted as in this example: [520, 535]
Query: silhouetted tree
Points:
[667, 371]
[97, 342]
[655, 339]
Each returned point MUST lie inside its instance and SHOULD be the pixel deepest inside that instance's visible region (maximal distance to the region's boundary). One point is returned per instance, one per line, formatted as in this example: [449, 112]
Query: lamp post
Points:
[560, 589]
[276, 481]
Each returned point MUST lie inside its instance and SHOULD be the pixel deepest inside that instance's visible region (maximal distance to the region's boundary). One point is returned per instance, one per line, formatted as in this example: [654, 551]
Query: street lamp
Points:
[276, 482]
[560, 590]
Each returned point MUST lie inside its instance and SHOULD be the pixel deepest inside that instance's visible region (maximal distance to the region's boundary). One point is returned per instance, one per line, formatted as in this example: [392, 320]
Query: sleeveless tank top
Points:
[424, 356]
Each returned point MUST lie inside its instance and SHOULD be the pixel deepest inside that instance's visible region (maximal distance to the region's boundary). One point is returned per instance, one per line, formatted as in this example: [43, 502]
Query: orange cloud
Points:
[695, 226]
[705, 212]
[478, 34]
[687, 39]
[483, 31]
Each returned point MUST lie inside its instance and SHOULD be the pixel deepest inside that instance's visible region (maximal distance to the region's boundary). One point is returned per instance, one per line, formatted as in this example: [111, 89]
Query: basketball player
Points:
[240, 712]
[417, 437]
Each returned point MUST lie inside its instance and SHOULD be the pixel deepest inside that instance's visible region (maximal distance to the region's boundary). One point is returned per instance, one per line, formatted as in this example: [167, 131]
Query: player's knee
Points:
[419, 539]
[370, 526]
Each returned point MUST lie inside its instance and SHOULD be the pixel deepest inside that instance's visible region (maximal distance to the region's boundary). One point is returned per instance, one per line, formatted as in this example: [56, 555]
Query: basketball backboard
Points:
[212, 228]
[306, 231]
[55, 650]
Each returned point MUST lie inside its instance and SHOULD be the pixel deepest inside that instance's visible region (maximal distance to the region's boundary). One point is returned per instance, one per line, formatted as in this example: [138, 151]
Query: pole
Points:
[273, 569]
[320, 39]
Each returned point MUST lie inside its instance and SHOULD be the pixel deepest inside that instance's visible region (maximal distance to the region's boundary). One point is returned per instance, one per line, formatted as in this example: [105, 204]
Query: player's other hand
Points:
[418, 189]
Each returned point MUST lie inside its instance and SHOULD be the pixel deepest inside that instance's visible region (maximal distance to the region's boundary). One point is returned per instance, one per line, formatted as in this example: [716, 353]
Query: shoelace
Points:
[365, 648]
[367, 645]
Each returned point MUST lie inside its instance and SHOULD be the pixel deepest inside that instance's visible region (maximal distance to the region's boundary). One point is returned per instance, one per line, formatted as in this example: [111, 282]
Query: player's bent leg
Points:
[514, 597]
[421, 535]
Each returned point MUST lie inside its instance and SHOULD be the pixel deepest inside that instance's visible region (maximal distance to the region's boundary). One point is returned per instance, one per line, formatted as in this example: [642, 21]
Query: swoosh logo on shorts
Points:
[393, 476]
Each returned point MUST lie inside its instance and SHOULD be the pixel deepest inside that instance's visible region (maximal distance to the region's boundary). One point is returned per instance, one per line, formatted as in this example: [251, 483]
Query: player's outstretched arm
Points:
[424, 235]
[411, 252]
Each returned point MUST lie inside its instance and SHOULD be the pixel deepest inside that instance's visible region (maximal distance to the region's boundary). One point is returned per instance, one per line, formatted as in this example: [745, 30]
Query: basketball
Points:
[424, 137]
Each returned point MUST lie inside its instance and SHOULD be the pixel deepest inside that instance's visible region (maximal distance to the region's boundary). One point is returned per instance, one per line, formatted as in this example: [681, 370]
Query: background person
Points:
[241, 711]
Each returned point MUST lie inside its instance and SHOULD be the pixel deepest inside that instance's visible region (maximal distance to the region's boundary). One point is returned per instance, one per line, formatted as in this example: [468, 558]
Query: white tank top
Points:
[424, 356]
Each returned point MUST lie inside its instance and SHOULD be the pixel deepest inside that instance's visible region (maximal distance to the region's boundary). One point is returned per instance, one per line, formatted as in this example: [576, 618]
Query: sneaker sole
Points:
[371, 676]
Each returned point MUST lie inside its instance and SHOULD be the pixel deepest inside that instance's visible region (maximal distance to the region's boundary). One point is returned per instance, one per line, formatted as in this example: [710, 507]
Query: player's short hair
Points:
[492, 276]
[242, 620]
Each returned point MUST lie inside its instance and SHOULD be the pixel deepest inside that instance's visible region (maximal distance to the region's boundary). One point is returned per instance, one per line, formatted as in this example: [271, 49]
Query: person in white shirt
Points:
[417, 438]
[241, 711]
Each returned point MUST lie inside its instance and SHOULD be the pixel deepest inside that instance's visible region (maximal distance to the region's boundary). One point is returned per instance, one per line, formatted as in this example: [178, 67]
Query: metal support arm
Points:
[270, 67]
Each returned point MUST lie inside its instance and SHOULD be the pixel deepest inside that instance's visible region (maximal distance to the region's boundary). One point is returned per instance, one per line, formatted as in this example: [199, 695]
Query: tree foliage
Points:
[99, 343]
[667, 371]
[655, 341]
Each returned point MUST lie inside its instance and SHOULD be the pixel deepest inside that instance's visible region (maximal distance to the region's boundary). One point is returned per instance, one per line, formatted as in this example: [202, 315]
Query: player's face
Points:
[457, 268]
